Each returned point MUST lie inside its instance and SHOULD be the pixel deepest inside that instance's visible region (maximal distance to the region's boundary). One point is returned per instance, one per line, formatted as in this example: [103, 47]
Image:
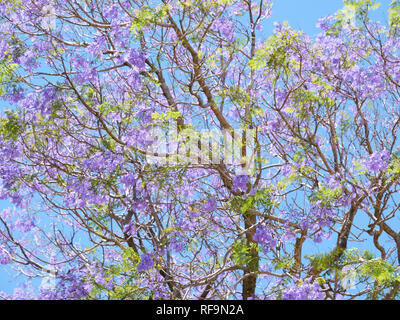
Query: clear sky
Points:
[301, 14]
[304, 14]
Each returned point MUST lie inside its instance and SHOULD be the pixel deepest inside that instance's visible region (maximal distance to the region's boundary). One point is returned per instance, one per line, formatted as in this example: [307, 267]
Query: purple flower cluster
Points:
[287, 169]
[176, 243]
[129, 228]
[103, 161]
[4, 256]
[96, 47]
[70, 285]
[273, 125]
[333, 181]
[265, 237]
[129, 179]
[226, 28]
[24, 224]
[82, 146]
[136, 58]
[210, 205]
[305, 290]
[112, 12]
[240, 182]
[378, 161]
[86, 71]
[146, 263]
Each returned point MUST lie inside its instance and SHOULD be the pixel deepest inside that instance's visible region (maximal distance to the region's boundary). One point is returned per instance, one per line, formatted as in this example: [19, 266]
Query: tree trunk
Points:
[250, 275]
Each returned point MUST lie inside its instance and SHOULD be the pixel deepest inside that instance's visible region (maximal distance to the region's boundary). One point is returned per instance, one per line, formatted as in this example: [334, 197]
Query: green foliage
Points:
[164, 117]
[125, 274]
[345, 124]
[328, 261]
[285, 263]
[241, 252]
[394, 165]
[7, 80]
[394, 14]
[274, 53]
[354, 13]
[338, 258]
[367, 255]
[326, 195]
[366, 268]
[260, 200]
[108, 143]
[10, 126]
[238, 95]
[378, 270]
[147, 16]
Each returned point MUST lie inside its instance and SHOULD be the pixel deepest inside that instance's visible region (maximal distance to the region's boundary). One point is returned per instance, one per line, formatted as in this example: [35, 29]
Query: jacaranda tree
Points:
[175, 150]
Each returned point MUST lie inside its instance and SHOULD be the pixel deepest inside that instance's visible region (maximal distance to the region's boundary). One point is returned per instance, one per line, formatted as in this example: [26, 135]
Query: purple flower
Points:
[129, 228]
[24, 224]
[95, 48]
[210, 205]
[21, 294]
[99, 278]
[84, 69]
[129, 179]
[176, 244]
[333, 181]
[111, 12]
[3, 48]
[87, 75]
[287, 169]
[226, 28]
[378, 161]
[47, 98]
[240, 182]
[4, 256]
[136, 58]
[78, 61]
[146, 263]
[304, 291]
[273, 124]
[29, 60]
[264, 237]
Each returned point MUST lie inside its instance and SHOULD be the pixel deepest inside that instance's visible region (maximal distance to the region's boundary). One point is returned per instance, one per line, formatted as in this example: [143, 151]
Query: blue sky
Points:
[304, 14]
[301, 14]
